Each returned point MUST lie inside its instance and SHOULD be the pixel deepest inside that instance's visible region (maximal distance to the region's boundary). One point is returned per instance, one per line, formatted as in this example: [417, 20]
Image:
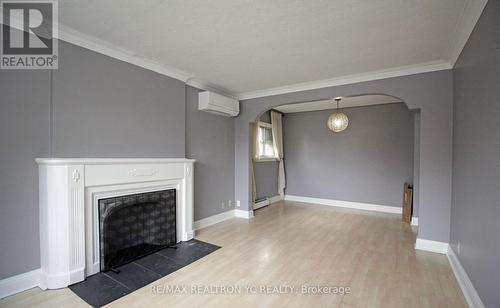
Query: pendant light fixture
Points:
[337, 121]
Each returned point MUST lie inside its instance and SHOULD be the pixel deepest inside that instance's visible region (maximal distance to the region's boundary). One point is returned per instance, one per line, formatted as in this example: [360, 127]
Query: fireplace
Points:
[136, 225]
[99, 213]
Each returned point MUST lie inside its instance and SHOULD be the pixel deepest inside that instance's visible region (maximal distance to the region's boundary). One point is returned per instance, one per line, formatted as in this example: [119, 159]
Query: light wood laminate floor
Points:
[295, 244]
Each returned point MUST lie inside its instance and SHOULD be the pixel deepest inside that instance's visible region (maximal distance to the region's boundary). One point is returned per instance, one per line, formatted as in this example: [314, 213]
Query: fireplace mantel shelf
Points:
[105, 161]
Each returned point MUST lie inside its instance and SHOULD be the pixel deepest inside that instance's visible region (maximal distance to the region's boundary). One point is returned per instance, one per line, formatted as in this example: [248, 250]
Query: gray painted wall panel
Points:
[475, 211]
[266, 117]
[104, 107]
[368, 162]
[411, 127]
[266, 178]
[24, 135]
[416, 163]
[209, 140]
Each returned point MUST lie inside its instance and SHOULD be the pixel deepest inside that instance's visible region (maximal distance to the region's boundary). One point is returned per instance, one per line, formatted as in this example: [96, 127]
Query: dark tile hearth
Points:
[105, 287]
[134, 276]
[99, 290]
[187, 253]
[159, 264]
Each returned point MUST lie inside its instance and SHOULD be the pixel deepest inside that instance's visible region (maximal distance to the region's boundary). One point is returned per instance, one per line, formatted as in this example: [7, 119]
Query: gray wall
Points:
[97, 106]
[368, 162]
[104, 107]
[432, 93]
[475, 211]
[266, 117]
[416, 162]
[209, 140]
[24, 135]
[411, 132]
[266, 178]
[266, 172]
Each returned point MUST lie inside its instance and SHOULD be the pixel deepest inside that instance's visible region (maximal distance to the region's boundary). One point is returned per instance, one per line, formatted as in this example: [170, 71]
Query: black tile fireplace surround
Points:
[136, 225]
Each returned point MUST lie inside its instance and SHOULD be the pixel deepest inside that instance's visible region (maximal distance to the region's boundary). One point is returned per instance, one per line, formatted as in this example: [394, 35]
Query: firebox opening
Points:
[134, 226]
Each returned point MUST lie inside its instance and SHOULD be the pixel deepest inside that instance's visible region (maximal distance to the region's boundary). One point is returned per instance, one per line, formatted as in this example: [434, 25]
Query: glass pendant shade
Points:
[337, 121]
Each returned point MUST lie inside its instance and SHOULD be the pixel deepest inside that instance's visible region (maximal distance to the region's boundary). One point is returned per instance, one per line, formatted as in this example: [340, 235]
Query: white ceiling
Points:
[345, 102]
[250, 48]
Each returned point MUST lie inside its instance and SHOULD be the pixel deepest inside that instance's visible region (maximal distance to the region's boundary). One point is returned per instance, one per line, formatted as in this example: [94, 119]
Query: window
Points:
[265, 142]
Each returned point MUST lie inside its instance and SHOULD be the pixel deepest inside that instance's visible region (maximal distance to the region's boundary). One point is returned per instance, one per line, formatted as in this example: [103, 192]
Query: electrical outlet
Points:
[458, 248]
[222, 205]
[238, 203]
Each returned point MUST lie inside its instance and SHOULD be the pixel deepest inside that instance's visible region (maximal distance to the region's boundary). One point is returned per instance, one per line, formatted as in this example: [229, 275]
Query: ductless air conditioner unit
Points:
[218, 104]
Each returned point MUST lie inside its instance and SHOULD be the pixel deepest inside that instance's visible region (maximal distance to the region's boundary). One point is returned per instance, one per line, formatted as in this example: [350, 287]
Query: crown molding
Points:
[75, 37]
[92, 43]
[470, 15]
[465, 25]
[374, 75]
[70, 35]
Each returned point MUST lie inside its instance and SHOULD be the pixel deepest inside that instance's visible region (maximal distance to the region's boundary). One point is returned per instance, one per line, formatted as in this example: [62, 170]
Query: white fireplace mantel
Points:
[69, 191]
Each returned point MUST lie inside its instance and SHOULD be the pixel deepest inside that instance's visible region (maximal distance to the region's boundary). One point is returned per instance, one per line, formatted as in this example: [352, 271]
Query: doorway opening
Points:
[364, 166]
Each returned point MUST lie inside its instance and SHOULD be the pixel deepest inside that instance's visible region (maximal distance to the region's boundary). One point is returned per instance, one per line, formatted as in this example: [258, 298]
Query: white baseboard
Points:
[19, 283]
[212, 220]
[470, 293]
[243, 214]
[346, 204]
[432, 246]
[274, 199]
[414, 221]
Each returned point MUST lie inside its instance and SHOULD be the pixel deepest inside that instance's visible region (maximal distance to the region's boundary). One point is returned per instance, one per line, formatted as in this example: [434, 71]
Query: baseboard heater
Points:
[261, 203]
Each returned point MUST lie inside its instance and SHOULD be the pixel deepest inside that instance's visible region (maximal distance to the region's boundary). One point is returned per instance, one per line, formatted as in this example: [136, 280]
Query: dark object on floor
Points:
[104, 287]
[407, 203]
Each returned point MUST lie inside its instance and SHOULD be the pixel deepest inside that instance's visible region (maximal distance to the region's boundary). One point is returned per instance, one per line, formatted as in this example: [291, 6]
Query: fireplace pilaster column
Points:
[62, 238]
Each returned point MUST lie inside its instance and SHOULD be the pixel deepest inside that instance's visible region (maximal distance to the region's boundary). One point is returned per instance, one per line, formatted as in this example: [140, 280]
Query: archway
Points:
[428, 92]
[364, 166]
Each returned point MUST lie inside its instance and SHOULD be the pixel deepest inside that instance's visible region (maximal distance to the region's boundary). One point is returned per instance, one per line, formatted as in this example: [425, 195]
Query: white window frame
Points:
[266, 158]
